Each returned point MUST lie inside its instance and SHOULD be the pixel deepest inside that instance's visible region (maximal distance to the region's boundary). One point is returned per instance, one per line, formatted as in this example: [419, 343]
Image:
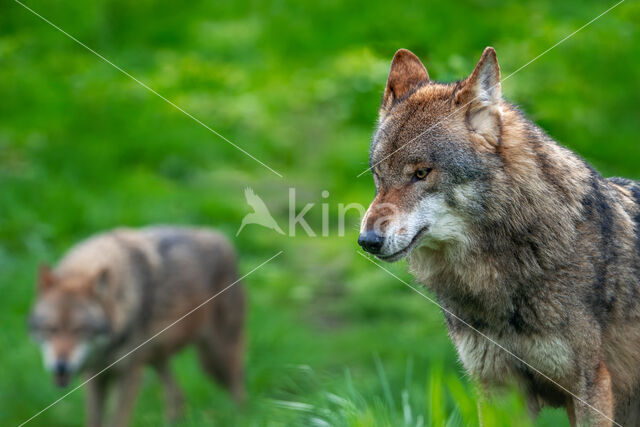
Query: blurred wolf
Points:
[115, 290]
[516, 236]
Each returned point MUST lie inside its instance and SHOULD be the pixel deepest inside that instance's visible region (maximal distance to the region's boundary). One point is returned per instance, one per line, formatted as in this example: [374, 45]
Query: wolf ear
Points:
[481, 94]
[406, 74]
[46, 278]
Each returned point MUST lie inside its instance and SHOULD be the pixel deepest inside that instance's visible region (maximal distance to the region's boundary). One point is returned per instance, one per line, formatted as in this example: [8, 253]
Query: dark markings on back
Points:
[142, 268]
[599, 211]
[172, 240]
[549, 174]
[635, 190]
[169, 241]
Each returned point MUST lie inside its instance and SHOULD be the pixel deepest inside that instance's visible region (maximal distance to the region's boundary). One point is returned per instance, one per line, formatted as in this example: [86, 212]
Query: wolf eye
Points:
[50, 329]
[420, 174]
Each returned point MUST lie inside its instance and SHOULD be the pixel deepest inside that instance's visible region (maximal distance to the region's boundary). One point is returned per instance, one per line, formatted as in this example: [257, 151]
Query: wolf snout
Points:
[62, 373]
[371, 241]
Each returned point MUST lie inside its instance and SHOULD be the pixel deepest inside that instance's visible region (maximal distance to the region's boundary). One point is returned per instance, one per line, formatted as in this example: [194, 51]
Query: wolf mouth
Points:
[404, 251]
[62, 379]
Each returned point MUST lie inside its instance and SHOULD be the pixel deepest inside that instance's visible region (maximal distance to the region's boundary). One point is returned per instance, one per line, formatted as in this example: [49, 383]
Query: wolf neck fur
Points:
[527, 230]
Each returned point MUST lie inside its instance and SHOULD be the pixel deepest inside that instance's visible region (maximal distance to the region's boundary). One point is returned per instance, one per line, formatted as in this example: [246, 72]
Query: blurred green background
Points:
[333, 340]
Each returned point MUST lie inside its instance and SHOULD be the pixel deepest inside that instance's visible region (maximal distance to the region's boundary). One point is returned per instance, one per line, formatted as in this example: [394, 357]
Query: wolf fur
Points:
[113, 291]
[516, 235]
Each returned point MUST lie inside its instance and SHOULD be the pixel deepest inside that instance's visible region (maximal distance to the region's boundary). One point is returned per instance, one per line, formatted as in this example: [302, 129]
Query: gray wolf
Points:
[514, 234]
[113, 291]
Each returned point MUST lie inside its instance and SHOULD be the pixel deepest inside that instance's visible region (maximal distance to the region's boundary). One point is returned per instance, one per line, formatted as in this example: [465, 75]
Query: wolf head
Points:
[68, 320]
[431, 157]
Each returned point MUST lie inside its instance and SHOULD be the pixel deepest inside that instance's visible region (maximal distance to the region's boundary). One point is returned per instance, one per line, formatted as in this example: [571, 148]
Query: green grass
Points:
[333, 339]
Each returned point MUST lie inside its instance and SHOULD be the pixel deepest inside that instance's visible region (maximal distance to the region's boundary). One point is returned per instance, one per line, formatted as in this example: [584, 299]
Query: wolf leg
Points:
[94, 401]
[173, 394]
[223, 362]
[221, 341]
[571, 412]
[533, 405]
[598, 394]
[237, 371]
[127, 386]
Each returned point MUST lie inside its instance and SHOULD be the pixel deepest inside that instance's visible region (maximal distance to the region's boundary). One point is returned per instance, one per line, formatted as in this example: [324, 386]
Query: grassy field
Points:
[333, 340]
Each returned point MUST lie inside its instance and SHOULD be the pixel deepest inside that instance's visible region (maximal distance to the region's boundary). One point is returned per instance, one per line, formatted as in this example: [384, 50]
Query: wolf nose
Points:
[62, 373]
[371, 241]
[61, 367]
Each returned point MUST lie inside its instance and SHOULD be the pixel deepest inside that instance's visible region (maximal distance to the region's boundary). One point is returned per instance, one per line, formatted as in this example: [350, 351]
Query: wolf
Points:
[113, 291]
[521, 241]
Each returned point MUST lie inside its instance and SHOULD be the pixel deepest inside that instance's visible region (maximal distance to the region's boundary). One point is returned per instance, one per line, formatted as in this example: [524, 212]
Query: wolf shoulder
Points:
[628, 190]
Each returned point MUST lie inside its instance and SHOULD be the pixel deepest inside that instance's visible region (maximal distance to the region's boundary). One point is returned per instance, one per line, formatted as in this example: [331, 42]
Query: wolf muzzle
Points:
[62, 373]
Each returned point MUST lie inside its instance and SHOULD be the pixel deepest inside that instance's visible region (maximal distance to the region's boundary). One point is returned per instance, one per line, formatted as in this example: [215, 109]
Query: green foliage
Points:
[333, 339]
